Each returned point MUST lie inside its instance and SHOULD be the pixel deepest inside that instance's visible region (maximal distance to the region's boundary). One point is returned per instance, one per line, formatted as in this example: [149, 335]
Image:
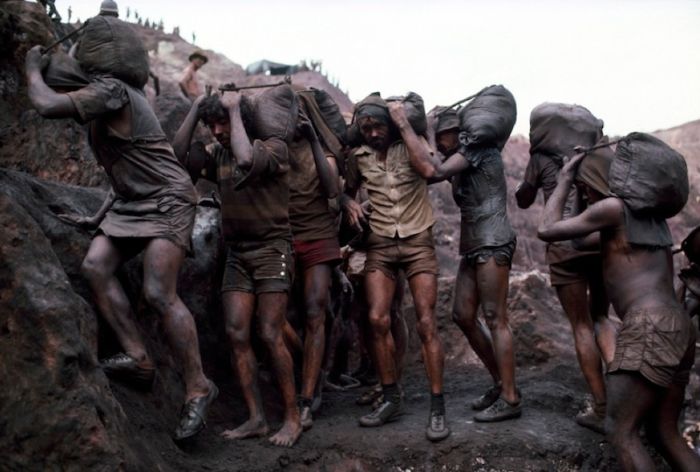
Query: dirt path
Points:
[545, 438]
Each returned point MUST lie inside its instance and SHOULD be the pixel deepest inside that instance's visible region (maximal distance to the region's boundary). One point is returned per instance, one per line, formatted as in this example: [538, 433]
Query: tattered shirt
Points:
[254, 202]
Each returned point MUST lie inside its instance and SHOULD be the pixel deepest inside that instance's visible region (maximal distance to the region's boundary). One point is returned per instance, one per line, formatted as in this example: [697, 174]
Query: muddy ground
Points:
[545, 438]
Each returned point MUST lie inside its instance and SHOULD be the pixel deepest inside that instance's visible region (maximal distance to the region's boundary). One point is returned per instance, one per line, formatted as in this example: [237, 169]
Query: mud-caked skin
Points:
[639, 281]
[393, 155]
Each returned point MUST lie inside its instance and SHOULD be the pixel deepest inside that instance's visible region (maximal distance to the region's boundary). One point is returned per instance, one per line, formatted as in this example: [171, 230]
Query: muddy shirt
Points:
[397, 192]
[147, 178]
[480, 192]
[309, 215]
[254, 203]
[542, 171]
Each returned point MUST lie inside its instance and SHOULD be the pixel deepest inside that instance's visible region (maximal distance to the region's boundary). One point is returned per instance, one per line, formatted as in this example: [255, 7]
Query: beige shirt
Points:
[397, 193]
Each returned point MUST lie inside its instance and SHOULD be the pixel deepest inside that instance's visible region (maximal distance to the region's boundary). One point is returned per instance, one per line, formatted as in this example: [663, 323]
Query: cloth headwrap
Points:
[373, 106]
[447, 120]
[594, 170]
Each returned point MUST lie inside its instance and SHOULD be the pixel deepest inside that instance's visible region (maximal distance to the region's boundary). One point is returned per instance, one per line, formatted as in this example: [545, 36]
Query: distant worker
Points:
[189, 84]
[53, 13]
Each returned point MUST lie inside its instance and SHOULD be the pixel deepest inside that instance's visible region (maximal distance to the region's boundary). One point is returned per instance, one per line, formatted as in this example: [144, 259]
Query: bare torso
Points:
[635, 276]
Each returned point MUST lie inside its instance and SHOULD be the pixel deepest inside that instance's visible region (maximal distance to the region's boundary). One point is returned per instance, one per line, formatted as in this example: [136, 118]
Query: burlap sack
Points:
[557, 128]
[649, 176]
[275, 113]
[488, 118]
[111, 46]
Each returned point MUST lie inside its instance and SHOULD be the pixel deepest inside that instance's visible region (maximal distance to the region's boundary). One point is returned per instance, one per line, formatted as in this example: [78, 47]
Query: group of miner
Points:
[294, 180]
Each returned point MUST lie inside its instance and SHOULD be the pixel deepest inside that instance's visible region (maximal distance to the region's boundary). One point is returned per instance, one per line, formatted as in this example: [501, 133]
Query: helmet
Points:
[109, 8]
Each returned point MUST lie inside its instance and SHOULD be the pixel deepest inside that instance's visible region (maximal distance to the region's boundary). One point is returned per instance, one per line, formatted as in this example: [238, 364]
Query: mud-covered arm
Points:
[422, 158]
[48, 103]
[605, 213]
[526, 192]
[325, 164]
[183, 137]
[355, 213]
[241, 147]
[454, 164]
[94, 220]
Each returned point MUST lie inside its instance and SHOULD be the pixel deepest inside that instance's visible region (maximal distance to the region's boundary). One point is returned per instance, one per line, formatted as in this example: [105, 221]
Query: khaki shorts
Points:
[415, 254]
[578, 269]
[659, 343]
[254, 269]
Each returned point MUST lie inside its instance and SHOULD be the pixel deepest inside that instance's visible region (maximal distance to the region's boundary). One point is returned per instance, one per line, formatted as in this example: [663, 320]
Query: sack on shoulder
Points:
[649, 176]
[557, 128]
[111, 46]
[275, 113]
[488, 119]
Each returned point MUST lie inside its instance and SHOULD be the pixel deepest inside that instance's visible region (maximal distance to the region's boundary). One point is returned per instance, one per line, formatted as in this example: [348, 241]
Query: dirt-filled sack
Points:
[63, 73]
[557, 128]
[330, 112]
[413, 105]
[488, 119]
[111, 46]
[275, 113]
[649, 176]
[415, 111]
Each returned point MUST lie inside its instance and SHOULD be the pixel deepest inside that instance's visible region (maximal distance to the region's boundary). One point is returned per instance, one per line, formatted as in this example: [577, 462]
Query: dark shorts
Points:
[579, 269]
[503, 255]
[319, 251]
[415, 254]
[254, 269]
[659, 343]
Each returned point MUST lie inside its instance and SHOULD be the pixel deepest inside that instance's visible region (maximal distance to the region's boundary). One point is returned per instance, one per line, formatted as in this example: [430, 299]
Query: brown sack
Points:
[275, 113]
[649, 176]
[111, 46]
[64, 73]
[488, 119]
[556, 128]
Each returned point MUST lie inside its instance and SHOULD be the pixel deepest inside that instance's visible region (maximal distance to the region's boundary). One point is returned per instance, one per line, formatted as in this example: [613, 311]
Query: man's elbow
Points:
[545, 234]
[428, 172]
[524, 196]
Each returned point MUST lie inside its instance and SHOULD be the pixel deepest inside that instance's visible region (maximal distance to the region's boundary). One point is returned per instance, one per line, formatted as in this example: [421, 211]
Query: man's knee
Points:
[492, 317]
[380, 322]
[270, 334]
[237, 335]
[157, 296]
[93, 269]
[427, 328]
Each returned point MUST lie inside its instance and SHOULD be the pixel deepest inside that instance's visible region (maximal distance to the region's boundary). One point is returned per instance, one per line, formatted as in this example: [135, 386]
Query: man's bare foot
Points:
[288, 435]
[249, 429]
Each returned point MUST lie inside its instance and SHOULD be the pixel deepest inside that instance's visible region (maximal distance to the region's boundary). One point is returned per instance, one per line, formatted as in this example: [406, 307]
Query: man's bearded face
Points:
[375, 132]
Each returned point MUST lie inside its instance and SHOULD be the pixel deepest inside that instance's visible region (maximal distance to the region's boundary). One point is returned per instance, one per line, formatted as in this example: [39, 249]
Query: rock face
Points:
[55, 405]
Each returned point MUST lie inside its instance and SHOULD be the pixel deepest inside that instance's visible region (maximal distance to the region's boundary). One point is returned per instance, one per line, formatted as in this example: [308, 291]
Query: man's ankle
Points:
[391, 392]
[437, 403]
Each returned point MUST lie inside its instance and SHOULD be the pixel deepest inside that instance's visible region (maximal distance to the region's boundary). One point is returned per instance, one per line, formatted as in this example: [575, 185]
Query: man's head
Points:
[215, 116]
[592, 174]
[374, 122]
[198, 59]
[447, 132]
[109, 8]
